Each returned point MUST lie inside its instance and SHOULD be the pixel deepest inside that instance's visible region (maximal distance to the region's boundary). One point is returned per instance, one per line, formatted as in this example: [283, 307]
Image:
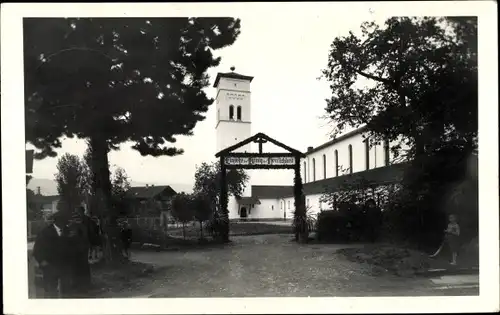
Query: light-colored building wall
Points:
[315, 162]
[268, 208]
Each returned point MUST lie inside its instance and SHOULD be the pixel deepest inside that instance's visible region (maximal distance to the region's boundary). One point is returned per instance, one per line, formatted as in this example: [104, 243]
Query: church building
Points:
[324, 165]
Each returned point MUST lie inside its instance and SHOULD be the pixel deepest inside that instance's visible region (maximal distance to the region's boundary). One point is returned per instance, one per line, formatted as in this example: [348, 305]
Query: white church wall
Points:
[230, 133]
[232, 206]
[267, 209]
[314, 162]
[226, 98]
[289, 203]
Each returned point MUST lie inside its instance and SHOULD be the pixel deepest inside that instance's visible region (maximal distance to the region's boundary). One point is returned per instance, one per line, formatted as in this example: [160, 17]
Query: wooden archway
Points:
[229, 159]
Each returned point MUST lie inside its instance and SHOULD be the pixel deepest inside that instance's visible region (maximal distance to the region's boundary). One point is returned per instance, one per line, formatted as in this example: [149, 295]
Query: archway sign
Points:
[244, 160]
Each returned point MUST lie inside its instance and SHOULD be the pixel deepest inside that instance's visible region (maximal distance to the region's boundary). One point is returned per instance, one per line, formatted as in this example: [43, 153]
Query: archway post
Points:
[300, 215]
[223, 200]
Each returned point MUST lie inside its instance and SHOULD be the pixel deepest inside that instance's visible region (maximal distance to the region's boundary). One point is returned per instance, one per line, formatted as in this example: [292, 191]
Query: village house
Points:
[150, 200]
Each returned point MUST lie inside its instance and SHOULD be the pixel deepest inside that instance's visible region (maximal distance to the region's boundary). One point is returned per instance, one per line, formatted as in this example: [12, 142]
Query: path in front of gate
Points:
[272, 266]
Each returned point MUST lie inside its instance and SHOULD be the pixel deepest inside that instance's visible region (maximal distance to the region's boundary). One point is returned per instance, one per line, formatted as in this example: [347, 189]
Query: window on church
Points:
[367, 153]
[305, 172]
[288, 204]
[314, 170]
[386, 153]
[350, 159]
[336, 163]
[231, 112]
[272, 208]
[324, 166]
[238, 112]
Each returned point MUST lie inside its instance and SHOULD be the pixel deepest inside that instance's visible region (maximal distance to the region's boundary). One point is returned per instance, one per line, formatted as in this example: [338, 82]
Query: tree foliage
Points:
[422, 88]
[202, 210]
[422, 75]
[182, 210]
[207, 182]
[71, 182]
[116, 80]
[120, 184]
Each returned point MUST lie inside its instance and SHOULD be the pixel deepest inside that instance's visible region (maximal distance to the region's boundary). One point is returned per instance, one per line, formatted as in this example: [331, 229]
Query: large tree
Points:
[422, 87]
[422, 81]
[116, 80]
[182, 210]
[207, 180]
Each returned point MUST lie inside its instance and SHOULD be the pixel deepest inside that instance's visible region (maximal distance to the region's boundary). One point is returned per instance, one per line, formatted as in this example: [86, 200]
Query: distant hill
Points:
[48, 187]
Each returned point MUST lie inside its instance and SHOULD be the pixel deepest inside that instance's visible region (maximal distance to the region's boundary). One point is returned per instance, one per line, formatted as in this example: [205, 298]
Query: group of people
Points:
[65, 246]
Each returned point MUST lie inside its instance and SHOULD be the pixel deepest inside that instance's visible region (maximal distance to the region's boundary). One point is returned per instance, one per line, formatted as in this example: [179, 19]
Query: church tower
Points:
[233, 121]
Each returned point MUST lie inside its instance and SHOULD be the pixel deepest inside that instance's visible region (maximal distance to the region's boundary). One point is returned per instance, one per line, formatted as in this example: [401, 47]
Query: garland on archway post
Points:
[300, 226]
[223, 203]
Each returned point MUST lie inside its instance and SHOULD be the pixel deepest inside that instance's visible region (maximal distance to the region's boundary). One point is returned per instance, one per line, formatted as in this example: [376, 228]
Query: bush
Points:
[332, 226]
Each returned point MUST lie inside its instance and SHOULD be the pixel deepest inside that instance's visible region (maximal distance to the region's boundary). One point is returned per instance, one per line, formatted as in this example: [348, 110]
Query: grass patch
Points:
[400, 261]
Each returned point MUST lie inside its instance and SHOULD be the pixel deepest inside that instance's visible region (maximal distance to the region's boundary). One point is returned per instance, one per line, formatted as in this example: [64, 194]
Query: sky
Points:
[285, 55]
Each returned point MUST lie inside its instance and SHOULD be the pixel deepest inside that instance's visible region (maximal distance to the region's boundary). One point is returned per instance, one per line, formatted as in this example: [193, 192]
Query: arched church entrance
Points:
[230, 159]
[243, 213]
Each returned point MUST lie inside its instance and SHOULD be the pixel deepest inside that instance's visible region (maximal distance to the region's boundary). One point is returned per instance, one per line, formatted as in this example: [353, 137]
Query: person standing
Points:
[50, 251]
[80, 245]
[452, 238]
[96, 239]
[126, 237]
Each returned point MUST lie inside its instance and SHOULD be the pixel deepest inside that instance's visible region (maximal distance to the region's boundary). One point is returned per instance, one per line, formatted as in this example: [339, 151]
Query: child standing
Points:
[452, 234]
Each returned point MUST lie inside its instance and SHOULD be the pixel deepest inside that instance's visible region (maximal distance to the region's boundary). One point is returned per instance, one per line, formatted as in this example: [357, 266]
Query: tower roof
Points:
[231, 75]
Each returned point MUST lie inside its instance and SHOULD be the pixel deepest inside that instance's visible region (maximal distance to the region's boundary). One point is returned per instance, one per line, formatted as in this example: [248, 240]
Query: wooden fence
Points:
[146, 223]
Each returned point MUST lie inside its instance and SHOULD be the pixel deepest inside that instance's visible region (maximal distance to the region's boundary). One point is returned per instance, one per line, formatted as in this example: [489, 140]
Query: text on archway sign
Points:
[258, 160]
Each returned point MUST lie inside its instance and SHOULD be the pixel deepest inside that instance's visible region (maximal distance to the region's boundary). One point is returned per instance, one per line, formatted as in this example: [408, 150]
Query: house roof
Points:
[146, 192]
[41, 199]
[381, 175]
[337, 139]
[269, 192]
[248, 200]
[231, 75]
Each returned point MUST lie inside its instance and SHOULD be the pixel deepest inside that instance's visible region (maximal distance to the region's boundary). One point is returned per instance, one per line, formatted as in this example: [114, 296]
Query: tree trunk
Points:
[101, 191]
[201, 229]
[184, 230]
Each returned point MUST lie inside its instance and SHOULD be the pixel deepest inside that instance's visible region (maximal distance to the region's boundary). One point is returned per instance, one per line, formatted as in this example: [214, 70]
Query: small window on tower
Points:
[238, 113]
[235, 85]
[272, 207]
[231, 112]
